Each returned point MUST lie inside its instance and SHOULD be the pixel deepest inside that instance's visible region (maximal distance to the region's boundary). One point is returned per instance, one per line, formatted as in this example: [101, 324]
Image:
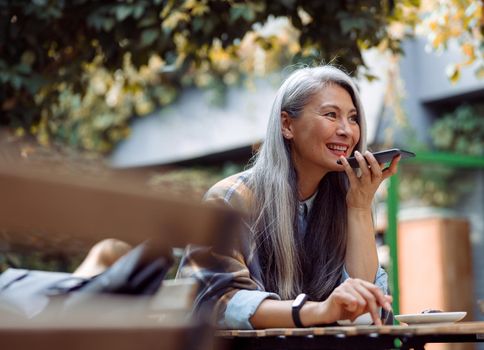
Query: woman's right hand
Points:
[349, 300]
[353, 298]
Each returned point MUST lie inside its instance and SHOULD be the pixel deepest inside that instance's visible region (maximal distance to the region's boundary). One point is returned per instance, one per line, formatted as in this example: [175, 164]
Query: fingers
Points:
[358, 296]
[371, 303]
[362, 188]
[371, 170]
[392, 169]
[353, 179]
[351, 301]
[381, 298]
[365, 171]
[370, 166]
[375, 167]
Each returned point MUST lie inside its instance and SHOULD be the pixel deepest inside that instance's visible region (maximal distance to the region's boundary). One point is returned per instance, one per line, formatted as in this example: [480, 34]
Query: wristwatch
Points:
[297, 304]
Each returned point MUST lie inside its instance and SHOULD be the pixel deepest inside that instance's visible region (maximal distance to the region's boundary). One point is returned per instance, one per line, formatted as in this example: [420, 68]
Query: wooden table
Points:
[351, 337]
[133, 338]
[107, 322]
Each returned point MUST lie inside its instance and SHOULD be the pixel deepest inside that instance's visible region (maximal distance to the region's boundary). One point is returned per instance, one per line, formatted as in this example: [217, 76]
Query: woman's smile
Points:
[338, 149]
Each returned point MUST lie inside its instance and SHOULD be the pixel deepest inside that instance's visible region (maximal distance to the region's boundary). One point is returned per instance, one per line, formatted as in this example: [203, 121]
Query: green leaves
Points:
[85, 67]
[241, 11]
[350, 24]
[461, 131]
[124, 11]
[149, 36]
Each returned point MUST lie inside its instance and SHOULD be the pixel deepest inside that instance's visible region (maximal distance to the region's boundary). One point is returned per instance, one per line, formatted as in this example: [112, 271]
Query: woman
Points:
[308, 255]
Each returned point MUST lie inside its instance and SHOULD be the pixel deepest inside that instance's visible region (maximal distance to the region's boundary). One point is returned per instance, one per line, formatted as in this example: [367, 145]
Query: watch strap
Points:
[297, 304]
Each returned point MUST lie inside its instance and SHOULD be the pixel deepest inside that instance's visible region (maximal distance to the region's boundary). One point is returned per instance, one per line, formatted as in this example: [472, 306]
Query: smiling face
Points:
[326, 129]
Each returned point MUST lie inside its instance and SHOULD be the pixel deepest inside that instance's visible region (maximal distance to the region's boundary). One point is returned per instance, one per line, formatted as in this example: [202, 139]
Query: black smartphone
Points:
[382, 156]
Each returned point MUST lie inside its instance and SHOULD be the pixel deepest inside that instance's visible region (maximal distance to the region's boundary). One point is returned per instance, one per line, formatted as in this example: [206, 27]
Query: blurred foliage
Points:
[192, 182]
[40, 261]
[455, 21]
[435, 185]
[77, 71]
[460, 132]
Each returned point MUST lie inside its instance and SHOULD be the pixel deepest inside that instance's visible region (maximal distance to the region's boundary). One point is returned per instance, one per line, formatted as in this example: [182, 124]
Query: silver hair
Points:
[272, 178]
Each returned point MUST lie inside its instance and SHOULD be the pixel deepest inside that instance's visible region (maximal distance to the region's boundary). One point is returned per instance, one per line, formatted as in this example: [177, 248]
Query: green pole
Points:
[391, 240]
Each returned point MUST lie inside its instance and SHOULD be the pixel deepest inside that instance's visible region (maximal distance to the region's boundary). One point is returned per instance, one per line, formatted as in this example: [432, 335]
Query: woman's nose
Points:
[344, 129]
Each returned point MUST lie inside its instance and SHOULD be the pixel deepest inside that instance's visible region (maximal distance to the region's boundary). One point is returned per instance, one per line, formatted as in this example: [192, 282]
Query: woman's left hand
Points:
[363, 188]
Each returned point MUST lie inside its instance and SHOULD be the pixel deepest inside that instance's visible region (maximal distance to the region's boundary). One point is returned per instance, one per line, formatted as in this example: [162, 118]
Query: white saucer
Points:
[437, 317]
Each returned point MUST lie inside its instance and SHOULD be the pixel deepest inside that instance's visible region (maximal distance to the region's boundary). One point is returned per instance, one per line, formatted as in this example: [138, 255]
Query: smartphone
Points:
[382, 156]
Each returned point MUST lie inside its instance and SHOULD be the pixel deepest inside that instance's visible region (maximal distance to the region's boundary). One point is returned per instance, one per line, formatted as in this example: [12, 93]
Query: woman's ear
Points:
[286, 125]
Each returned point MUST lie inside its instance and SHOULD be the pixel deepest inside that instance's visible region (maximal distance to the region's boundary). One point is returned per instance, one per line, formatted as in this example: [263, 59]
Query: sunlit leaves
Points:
[455, 21]
[99, 117]
[78, 71]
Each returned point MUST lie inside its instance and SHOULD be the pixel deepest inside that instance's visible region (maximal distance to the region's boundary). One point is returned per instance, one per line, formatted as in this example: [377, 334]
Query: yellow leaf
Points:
[167, 9]
[468, 50]
[19, 132]
[453, 73]
[174, 18]
[480, 72]
[439, 40]
[456, 31]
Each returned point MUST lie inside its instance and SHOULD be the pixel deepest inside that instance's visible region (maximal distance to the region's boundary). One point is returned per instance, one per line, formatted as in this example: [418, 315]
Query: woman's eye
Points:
[353, 119]
[331, 115]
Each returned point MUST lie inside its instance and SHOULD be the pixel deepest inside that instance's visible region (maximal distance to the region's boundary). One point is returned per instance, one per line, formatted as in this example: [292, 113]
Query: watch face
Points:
[300, 299]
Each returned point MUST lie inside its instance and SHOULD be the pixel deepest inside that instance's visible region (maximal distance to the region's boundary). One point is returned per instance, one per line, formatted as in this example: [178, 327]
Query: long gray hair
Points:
[273, 180]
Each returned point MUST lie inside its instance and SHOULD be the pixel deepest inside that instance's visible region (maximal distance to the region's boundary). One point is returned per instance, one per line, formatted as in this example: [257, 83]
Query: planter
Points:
[435, 264]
